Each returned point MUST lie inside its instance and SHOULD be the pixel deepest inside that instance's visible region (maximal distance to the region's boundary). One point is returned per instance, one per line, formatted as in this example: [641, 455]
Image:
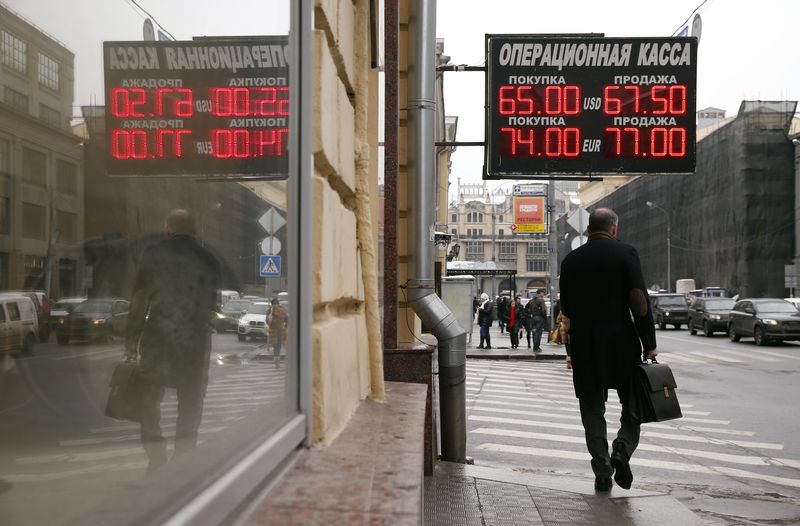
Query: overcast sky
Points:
[748, 50]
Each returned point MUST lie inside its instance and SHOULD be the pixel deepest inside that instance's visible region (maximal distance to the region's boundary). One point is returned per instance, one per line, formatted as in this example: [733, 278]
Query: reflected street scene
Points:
[144, 227]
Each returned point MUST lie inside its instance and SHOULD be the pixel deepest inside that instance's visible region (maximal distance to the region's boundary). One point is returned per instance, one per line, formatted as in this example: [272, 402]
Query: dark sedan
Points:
[710, 315]
[227, 319]
[94, 319]
[766, 320]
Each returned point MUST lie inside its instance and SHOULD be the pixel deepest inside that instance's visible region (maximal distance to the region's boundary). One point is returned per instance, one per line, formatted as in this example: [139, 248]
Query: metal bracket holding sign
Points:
[566, 105]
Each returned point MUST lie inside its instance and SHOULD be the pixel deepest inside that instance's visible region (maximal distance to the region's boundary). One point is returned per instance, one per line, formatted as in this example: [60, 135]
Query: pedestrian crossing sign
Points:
[269, 266]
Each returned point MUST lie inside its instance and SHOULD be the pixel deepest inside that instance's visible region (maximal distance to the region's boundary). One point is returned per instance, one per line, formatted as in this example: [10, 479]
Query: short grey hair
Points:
[602, 219]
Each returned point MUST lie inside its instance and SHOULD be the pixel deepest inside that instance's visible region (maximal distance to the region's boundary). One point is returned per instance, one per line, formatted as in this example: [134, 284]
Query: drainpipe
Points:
[451, 337]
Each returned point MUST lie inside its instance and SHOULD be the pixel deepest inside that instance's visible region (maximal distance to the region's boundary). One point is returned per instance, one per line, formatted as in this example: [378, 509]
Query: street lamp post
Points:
[669, 278]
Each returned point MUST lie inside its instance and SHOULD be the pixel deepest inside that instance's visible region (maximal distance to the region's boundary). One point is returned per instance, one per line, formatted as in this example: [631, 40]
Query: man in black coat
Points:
[603, 294]
[168, 327]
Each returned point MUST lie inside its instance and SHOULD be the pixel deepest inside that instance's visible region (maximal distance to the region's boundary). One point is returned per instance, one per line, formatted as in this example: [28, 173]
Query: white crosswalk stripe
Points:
[230, 397]
[524, 410]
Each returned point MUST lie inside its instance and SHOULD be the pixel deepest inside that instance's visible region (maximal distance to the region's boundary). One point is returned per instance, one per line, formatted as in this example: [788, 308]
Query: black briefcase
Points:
[125, 392]
[652, 395]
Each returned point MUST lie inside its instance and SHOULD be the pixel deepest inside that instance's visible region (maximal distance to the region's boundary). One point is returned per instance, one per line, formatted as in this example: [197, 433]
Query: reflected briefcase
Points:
[125, 393]
[652, 395]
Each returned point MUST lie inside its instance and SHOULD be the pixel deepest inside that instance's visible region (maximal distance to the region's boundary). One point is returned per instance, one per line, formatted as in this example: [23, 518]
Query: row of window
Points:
[537, 254]
[14, 53]
[34, 169]
[474, 217]
[34, 217]
[20, 101]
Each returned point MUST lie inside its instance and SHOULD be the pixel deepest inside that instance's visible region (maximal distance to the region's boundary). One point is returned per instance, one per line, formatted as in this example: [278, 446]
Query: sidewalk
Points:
[467, 494]
[463, 494]
[501, 347]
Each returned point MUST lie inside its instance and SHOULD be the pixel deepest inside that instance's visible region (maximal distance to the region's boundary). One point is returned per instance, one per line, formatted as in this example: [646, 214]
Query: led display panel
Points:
[589, 105]
[201, 107]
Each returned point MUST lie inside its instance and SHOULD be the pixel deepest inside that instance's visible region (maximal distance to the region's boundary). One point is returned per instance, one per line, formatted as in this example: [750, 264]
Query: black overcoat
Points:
[606, 337]
[173, 298]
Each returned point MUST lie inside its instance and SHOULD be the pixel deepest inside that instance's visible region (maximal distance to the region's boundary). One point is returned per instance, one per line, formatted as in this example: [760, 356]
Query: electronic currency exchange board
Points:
[589, 105]
[201, 107]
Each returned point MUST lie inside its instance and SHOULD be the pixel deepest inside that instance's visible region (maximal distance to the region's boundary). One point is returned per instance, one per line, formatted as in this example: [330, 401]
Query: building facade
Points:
[41, 163]
[481, 222]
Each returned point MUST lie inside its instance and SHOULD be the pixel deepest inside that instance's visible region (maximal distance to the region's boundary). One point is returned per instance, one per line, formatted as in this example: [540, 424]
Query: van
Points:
[19, 326]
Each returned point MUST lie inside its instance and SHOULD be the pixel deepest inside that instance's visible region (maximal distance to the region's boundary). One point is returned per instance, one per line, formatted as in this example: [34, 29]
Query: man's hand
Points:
[651, 355]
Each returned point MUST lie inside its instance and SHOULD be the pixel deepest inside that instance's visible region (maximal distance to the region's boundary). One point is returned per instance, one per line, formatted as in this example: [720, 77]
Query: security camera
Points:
[442, 238]
[795, 141]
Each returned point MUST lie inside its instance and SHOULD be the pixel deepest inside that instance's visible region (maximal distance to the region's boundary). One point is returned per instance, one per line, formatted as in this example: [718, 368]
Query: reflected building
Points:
[41, 163]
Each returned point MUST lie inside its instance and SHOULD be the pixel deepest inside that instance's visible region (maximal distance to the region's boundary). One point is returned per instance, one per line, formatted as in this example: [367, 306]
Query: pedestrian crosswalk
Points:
[234, 393]
[525, 415]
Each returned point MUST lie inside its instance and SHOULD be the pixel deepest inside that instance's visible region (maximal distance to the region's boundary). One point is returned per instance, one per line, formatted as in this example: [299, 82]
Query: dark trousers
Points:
[593, 410]
[538, 327]
[513, 332]
[191, 392]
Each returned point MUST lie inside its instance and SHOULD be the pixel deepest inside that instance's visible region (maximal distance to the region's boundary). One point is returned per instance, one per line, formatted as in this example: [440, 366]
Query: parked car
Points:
[669, 309]
[94, 319]
[254, 322]
[42, 307]
[794, 301]
[19, 328]
[227, 319]
[765, 319]
[710, 315]
[62, 308]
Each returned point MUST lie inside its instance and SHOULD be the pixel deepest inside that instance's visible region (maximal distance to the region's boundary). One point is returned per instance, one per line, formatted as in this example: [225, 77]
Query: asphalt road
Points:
[734, 457]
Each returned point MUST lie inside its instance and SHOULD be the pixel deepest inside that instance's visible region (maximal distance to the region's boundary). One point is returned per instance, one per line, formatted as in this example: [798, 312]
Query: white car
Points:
[254, 322]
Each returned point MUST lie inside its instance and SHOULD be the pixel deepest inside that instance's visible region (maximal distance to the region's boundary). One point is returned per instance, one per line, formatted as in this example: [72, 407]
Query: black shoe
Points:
[479, 347]
[602, 484]
[622, 474]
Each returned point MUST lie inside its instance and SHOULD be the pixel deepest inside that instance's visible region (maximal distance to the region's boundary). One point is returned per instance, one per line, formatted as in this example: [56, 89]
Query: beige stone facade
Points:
[347, 364]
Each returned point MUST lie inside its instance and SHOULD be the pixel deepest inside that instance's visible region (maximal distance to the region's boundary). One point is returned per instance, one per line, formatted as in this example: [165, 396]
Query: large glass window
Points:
[34, 221]
[34, 167]
[15, 52]
[49, 72]
[49, 115]
[66, 177]
[15, 99]
[5, 160]
[507, 250]
[201, 209]
[538, 265]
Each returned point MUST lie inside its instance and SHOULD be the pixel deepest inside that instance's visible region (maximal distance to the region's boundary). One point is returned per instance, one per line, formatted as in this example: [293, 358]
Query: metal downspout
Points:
[452, 338]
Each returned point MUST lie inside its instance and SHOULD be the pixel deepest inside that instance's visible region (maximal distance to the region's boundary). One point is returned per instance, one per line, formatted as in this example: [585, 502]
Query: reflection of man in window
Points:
[173, 297]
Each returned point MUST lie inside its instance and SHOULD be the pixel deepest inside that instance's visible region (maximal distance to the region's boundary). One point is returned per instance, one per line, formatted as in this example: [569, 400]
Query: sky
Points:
[747, 50]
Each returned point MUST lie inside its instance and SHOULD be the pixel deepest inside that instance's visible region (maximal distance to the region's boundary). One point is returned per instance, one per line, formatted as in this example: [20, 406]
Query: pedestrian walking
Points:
[539, 311]
[277, 322]
[502, 312]
[485, 321]
[169, 329]
[512, 323]
[526, 320]
[601, 287]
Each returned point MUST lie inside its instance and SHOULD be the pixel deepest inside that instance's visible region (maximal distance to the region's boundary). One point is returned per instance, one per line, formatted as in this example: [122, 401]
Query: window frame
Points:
[222, 499]
[48, 72]
[14, 52]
